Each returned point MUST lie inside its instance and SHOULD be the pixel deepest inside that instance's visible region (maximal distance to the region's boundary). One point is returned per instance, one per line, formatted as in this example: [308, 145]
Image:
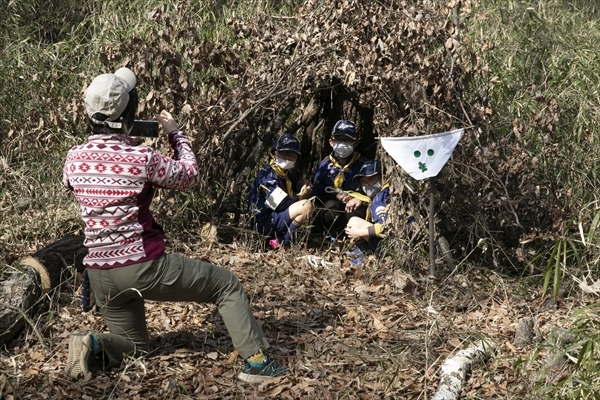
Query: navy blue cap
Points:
[369, 168]
[287, 142]
[345, 128]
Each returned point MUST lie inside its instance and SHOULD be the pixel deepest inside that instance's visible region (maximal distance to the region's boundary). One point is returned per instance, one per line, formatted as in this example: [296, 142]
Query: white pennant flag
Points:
[422, 156]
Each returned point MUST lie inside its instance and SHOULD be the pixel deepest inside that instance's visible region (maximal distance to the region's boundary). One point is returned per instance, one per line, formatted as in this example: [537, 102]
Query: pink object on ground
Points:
[274, 244]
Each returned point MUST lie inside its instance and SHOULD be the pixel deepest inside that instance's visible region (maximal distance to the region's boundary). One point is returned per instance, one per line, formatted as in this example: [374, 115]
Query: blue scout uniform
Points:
[271, 194]
[377, 210]
[331, 173]
[377, 213]
[332, 176]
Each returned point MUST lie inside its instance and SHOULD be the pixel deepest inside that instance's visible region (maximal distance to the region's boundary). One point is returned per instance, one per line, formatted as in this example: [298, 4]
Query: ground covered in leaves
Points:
[376, 331]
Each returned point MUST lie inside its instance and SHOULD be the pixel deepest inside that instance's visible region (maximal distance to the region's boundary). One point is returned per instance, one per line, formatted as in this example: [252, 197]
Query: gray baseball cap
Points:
[108, 94]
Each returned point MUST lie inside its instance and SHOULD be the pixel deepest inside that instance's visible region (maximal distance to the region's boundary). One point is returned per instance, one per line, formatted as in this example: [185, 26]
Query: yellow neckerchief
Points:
[283, 175]
[366, 199]
[339, 179]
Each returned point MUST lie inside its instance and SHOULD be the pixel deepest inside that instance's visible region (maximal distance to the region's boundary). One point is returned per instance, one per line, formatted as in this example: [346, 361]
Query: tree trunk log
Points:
[22, 290]
[19, 294]
[455, 370]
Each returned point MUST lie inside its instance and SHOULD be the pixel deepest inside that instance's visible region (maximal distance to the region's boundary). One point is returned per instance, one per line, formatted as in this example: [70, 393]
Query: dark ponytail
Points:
[131, 109]
[128, 116]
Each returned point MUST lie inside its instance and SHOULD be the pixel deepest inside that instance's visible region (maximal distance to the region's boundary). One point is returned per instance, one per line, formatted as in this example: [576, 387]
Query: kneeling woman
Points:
[276, 209]
[367, 231]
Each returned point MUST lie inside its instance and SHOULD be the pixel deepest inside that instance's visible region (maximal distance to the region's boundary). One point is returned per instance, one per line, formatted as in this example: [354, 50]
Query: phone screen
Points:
[144, 128]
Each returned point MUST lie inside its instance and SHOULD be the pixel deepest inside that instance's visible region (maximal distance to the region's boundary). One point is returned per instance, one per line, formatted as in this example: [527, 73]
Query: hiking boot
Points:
[81, 358]
[257, 372]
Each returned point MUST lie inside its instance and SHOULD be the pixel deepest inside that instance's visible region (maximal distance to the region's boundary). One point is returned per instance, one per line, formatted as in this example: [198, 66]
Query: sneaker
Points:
[260, 372]
[81, 358]
[274, 244]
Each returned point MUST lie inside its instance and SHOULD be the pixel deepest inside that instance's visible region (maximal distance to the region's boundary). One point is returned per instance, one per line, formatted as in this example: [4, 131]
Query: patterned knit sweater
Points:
[114, 181]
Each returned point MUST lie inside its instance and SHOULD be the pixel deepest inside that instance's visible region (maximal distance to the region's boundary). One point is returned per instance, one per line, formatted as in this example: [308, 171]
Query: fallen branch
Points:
[455, 369]
[249, 111]
[23, 288]
[30, 322]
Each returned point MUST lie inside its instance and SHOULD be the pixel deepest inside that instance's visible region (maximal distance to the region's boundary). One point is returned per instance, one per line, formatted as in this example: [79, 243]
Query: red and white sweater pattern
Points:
[114, 181]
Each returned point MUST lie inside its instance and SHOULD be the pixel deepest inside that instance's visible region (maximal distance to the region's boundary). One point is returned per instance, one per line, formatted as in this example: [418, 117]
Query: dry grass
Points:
[346, 332]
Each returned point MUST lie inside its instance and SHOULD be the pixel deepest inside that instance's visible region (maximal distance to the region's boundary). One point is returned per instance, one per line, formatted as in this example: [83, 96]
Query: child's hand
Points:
[352, 204]
[358, 228]
[301, 183]
[305, 192]
[167, 121]
[353, 231]
[343, 197]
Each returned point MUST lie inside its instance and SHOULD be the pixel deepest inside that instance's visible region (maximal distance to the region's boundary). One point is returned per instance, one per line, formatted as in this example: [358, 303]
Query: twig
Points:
[30, 322]
[250, 110]
[272, 92]
[512, 209]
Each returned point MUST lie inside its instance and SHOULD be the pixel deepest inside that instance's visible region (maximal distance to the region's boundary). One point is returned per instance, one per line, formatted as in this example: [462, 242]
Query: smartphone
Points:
[144, 128]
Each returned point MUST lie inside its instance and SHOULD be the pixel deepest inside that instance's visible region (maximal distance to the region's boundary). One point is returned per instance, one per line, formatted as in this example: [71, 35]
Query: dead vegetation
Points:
[345, 332]
[396, 68]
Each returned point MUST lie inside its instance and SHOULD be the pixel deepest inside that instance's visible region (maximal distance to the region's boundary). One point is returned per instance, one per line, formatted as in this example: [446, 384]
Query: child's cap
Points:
[344, 128]
[287, 142]
[369, 168]
[108, 94]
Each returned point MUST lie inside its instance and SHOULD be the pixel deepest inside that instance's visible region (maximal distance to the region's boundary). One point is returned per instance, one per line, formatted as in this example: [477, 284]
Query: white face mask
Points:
[343, 149]
[284, 164]
[372, 190]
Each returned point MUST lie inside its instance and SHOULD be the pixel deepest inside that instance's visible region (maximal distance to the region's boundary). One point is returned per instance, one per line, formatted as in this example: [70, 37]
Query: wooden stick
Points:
[455, 369]
[431, 228]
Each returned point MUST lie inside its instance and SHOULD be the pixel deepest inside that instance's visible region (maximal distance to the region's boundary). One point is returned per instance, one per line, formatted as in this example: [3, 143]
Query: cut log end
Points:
[22, 289]
[45, 280]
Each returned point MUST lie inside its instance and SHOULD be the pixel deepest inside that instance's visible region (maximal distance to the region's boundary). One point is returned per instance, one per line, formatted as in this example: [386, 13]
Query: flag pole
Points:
[422, 157]
[431, 228]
